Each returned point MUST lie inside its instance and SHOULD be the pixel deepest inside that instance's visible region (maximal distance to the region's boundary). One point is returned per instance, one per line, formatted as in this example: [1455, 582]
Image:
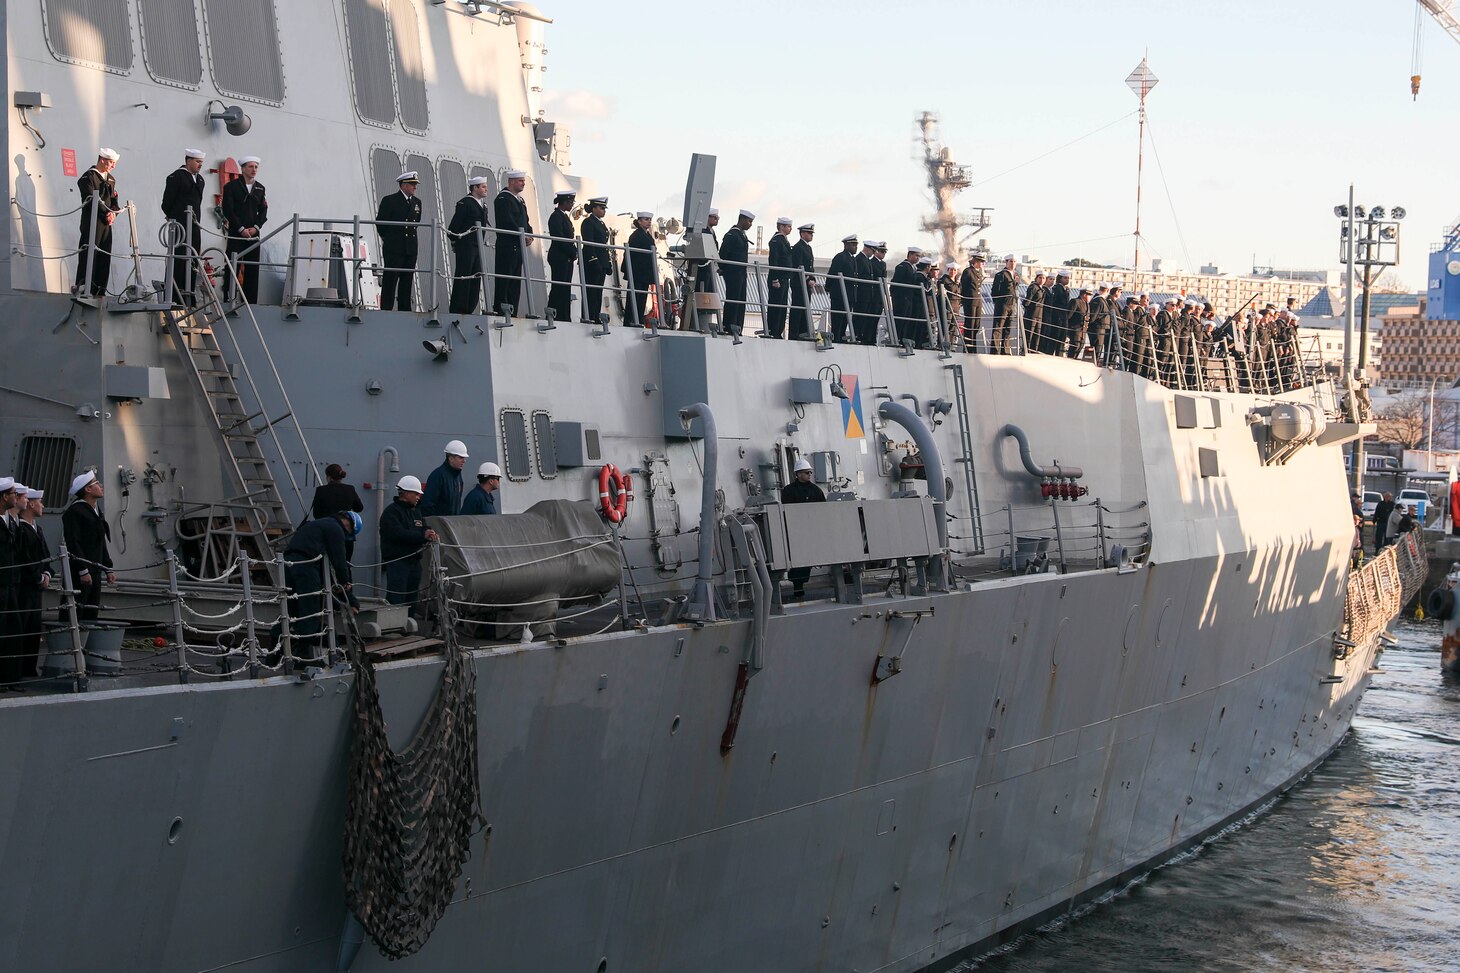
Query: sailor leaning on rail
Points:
[97, 183]
[319, 540]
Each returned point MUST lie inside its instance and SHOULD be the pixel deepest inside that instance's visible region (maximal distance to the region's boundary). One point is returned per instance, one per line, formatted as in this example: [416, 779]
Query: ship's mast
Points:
[1140, 81]
[946, 179]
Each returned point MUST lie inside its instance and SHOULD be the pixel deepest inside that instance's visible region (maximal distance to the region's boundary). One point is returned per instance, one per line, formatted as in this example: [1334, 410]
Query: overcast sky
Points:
[1264, 112]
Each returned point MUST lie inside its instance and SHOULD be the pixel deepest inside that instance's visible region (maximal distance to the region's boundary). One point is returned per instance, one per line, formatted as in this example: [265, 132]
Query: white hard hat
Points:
[803, 464]
[456, 448]
[409, 484]
[489, 469]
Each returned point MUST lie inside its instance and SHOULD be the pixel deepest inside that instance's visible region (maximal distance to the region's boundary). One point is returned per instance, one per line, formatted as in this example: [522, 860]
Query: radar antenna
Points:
[947, 179]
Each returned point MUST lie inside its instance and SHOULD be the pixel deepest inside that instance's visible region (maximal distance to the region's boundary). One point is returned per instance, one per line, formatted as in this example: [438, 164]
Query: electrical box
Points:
[576, 444]
[825, 465]
[808, 391]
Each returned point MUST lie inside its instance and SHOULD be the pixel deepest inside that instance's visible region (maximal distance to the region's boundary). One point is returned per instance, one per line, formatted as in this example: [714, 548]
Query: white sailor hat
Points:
[850, 238]
[194, 154]
[566, 194]
[746, 214]
[111, 154]
[643, 214]
[478, 181]
[916, 250]
[713, 212]
[251, 158]
[7, 483]
[925, 261]
[599, 201]
[1008, 256]
[783, 221]
[881, 244]
[514, 174]
[21, 489]
[411, 176]
[977, 255]
[1063, 273]
[1117, 285]
[806, 228]
[1104, 286]
[82, 481]
[35, 494]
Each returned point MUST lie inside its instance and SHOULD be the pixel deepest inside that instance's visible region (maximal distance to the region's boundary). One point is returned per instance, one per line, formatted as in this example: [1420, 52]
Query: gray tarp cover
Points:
[558, 550]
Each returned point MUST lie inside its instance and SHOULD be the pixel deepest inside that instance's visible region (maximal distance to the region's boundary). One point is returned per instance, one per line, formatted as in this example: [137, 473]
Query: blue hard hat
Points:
[356, 524]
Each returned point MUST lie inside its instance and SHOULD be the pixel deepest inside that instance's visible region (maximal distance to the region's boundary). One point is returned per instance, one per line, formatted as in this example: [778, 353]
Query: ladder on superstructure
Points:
[239, 425]
[965, 442]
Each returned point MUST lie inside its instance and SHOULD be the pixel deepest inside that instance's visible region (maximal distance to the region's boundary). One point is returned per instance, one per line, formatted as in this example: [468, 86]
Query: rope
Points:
[44, 216]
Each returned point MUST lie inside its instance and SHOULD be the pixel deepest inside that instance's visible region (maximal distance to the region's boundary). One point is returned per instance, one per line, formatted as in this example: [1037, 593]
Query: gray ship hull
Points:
[1039, 744]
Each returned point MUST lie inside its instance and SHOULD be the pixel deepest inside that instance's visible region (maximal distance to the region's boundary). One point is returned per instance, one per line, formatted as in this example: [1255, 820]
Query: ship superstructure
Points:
[1062, 621]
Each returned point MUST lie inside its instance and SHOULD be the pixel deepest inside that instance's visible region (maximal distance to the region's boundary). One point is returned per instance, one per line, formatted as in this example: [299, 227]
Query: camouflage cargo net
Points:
[410, 816]
[1382, 587]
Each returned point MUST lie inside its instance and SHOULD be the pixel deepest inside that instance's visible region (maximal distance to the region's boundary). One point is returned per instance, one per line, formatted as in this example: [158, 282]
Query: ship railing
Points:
[1056, 535]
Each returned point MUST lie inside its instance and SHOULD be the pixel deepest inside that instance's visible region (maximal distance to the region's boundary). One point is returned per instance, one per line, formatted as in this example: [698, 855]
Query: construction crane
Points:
[1444, 13]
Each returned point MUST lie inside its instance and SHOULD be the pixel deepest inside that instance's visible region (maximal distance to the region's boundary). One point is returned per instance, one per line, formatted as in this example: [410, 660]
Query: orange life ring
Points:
[615, 490]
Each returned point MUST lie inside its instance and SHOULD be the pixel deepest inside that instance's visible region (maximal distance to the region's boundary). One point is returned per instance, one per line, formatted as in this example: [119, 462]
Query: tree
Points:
[1081, 262]
[1389, 283]
[1406, 421]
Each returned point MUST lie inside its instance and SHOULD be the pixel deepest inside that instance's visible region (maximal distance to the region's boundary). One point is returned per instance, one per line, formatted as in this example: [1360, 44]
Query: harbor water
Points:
[1356, 868]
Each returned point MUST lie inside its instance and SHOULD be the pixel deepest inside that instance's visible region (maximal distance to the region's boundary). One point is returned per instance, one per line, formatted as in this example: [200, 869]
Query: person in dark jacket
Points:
[87, 536]
[320, 540]
[562, 255]
[335, 495]
[398, 244]
[970, 296]
[638, 264]
[704, 271]
[1382, 510]
[482, 499]
[1056, 314]
[841, 288]
[245, 211]
[470, 213]
[597, 258]
[444, 487]
[10, 558]
[33, 577]
[802, 284]
[1100, 318]
[509, 211]
[1077, 322]
[1034, 314]
[779, 278]
[875, 293]
[182, 202]
[403, 535]
[1006, 305]
[734, 255]
[801, 490]
[909, 306]
[99, 184]
[864, 321]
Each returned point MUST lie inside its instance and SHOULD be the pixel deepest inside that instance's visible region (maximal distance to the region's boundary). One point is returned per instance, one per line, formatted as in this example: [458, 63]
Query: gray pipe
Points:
[932, 462]
[1071, 472]
[704, 595]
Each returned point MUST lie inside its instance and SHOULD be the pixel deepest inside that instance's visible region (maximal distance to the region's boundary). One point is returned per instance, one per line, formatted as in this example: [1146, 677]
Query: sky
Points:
[1263, 114]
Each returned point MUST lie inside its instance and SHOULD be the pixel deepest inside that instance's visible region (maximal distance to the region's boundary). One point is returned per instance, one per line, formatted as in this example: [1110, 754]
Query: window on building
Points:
[96, 33]
[243, 47]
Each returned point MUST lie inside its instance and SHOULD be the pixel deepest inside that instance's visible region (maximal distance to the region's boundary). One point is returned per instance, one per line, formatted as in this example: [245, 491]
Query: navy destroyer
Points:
[1063, 616]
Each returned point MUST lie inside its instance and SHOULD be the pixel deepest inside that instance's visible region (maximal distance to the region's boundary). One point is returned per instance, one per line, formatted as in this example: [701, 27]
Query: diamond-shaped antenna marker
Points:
[1140, 81]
